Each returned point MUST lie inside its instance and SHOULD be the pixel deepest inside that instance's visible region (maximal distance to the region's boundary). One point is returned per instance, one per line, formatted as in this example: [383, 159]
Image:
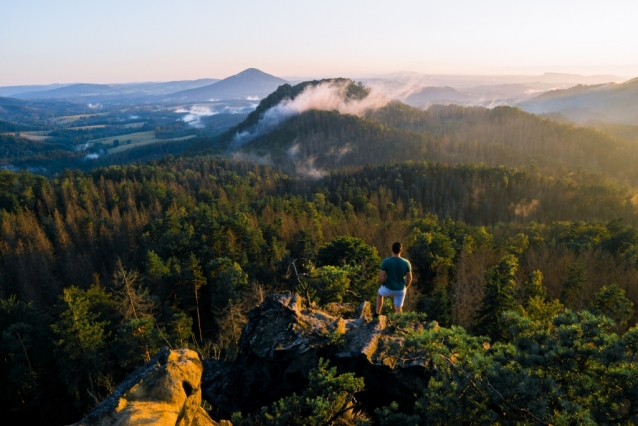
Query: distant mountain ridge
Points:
[485, 95]
[13, 90]
[429, 95]
[251, 84]
[82, 90]
[614, 103]
[557, 77]
[248, 83]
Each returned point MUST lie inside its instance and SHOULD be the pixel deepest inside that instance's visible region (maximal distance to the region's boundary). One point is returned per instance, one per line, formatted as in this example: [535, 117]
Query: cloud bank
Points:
[195, 113]
[328, 96]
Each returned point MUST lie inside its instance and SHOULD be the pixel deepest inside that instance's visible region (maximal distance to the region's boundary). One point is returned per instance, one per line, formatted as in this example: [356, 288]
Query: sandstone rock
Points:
[363, 311]
[283, 341]
[164, 391]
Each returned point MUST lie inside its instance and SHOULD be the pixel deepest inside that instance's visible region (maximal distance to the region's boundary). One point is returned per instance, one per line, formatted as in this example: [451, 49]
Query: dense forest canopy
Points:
[197, 239]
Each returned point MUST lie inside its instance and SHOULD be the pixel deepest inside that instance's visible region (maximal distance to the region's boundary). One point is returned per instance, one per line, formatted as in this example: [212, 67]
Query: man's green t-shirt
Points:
[395, 269]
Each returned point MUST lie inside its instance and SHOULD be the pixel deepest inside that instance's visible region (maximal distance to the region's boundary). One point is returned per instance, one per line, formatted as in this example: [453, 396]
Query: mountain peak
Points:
[251, 82]
[249, 71]
[253, 73]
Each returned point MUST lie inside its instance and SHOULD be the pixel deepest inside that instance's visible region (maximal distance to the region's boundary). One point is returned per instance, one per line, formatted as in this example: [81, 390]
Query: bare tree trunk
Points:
[199, 323]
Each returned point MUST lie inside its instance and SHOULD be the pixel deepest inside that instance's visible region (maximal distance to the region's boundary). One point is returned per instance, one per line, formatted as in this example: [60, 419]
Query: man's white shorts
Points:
[397, 295]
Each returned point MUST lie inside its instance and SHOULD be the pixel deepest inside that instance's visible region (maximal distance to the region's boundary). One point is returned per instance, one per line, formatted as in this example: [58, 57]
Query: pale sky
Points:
[98, 41]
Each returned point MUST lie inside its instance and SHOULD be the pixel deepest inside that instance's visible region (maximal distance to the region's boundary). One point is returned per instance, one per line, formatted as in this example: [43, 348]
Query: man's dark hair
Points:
[397, 248]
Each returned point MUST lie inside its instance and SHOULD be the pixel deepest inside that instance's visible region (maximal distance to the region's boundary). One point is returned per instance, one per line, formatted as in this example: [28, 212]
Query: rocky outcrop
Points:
[279, 346]
[283, 341]
[164, 391]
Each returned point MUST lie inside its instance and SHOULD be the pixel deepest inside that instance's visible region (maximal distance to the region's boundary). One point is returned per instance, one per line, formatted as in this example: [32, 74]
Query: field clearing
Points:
[137, 139]
[35, 137]
[101, 126]
[66, 119]
[32, 136]
[98, 126]
[134, 125]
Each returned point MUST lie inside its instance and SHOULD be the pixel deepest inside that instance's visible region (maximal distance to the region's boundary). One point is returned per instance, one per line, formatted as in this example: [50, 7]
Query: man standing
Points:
[395, 278]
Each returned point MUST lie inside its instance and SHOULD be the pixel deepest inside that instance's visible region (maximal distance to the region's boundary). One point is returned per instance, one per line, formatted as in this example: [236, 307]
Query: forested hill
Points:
[315, 141]
[509, 136]
[6, 126]
[283, 92]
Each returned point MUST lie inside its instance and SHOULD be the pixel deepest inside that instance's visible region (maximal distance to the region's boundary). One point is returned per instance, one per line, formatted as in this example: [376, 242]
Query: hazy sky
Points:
[44, 41]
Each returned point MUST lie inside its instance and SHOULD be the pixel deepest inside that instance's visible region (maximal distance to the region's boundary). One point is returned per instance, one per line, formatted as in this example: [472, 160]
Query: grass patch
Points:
[137, 139]
[66, 119]
[32, 136]
[134, 125]
[101, 126]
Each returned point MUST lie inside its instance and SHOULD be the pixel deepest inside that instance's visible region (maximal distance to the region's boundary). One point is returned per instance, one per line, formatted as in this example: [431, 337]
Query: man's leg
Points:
[398, 300]
[379, 304]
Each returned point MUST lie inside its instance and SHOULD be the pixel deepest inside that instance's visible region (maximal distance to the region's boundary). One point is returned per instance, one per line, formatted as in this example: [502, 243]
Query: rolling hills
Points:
[14, 90]
[83, 92]
[484, 95]
[316, 140]
[614, 103]
[250, 83]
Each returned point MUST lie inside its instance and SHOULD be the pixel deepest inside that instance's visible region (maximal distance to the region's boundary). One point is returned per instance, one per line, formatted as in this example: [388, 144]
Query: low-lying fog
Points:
[193, 114]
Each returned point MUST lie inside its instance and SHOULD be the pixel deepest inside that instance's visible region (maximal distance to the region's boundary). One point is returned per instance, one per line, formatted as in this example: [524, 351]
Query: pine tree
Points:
[81, 343]
[534, 300]
[197, 280]
[500, 284]
[333, 283]
[328, 400]
[25, 354]
[437, 305]
[137, 331]
[572, 288]
[354, 252]
[534, 287]
[135, 302]
[432, 255]
[611, 302]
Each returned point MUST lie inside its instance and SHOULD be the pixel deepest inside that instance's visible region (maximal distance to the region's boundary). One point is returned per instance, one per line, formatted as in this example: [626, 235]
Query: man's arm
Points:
[382, 277]
[408, 279]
